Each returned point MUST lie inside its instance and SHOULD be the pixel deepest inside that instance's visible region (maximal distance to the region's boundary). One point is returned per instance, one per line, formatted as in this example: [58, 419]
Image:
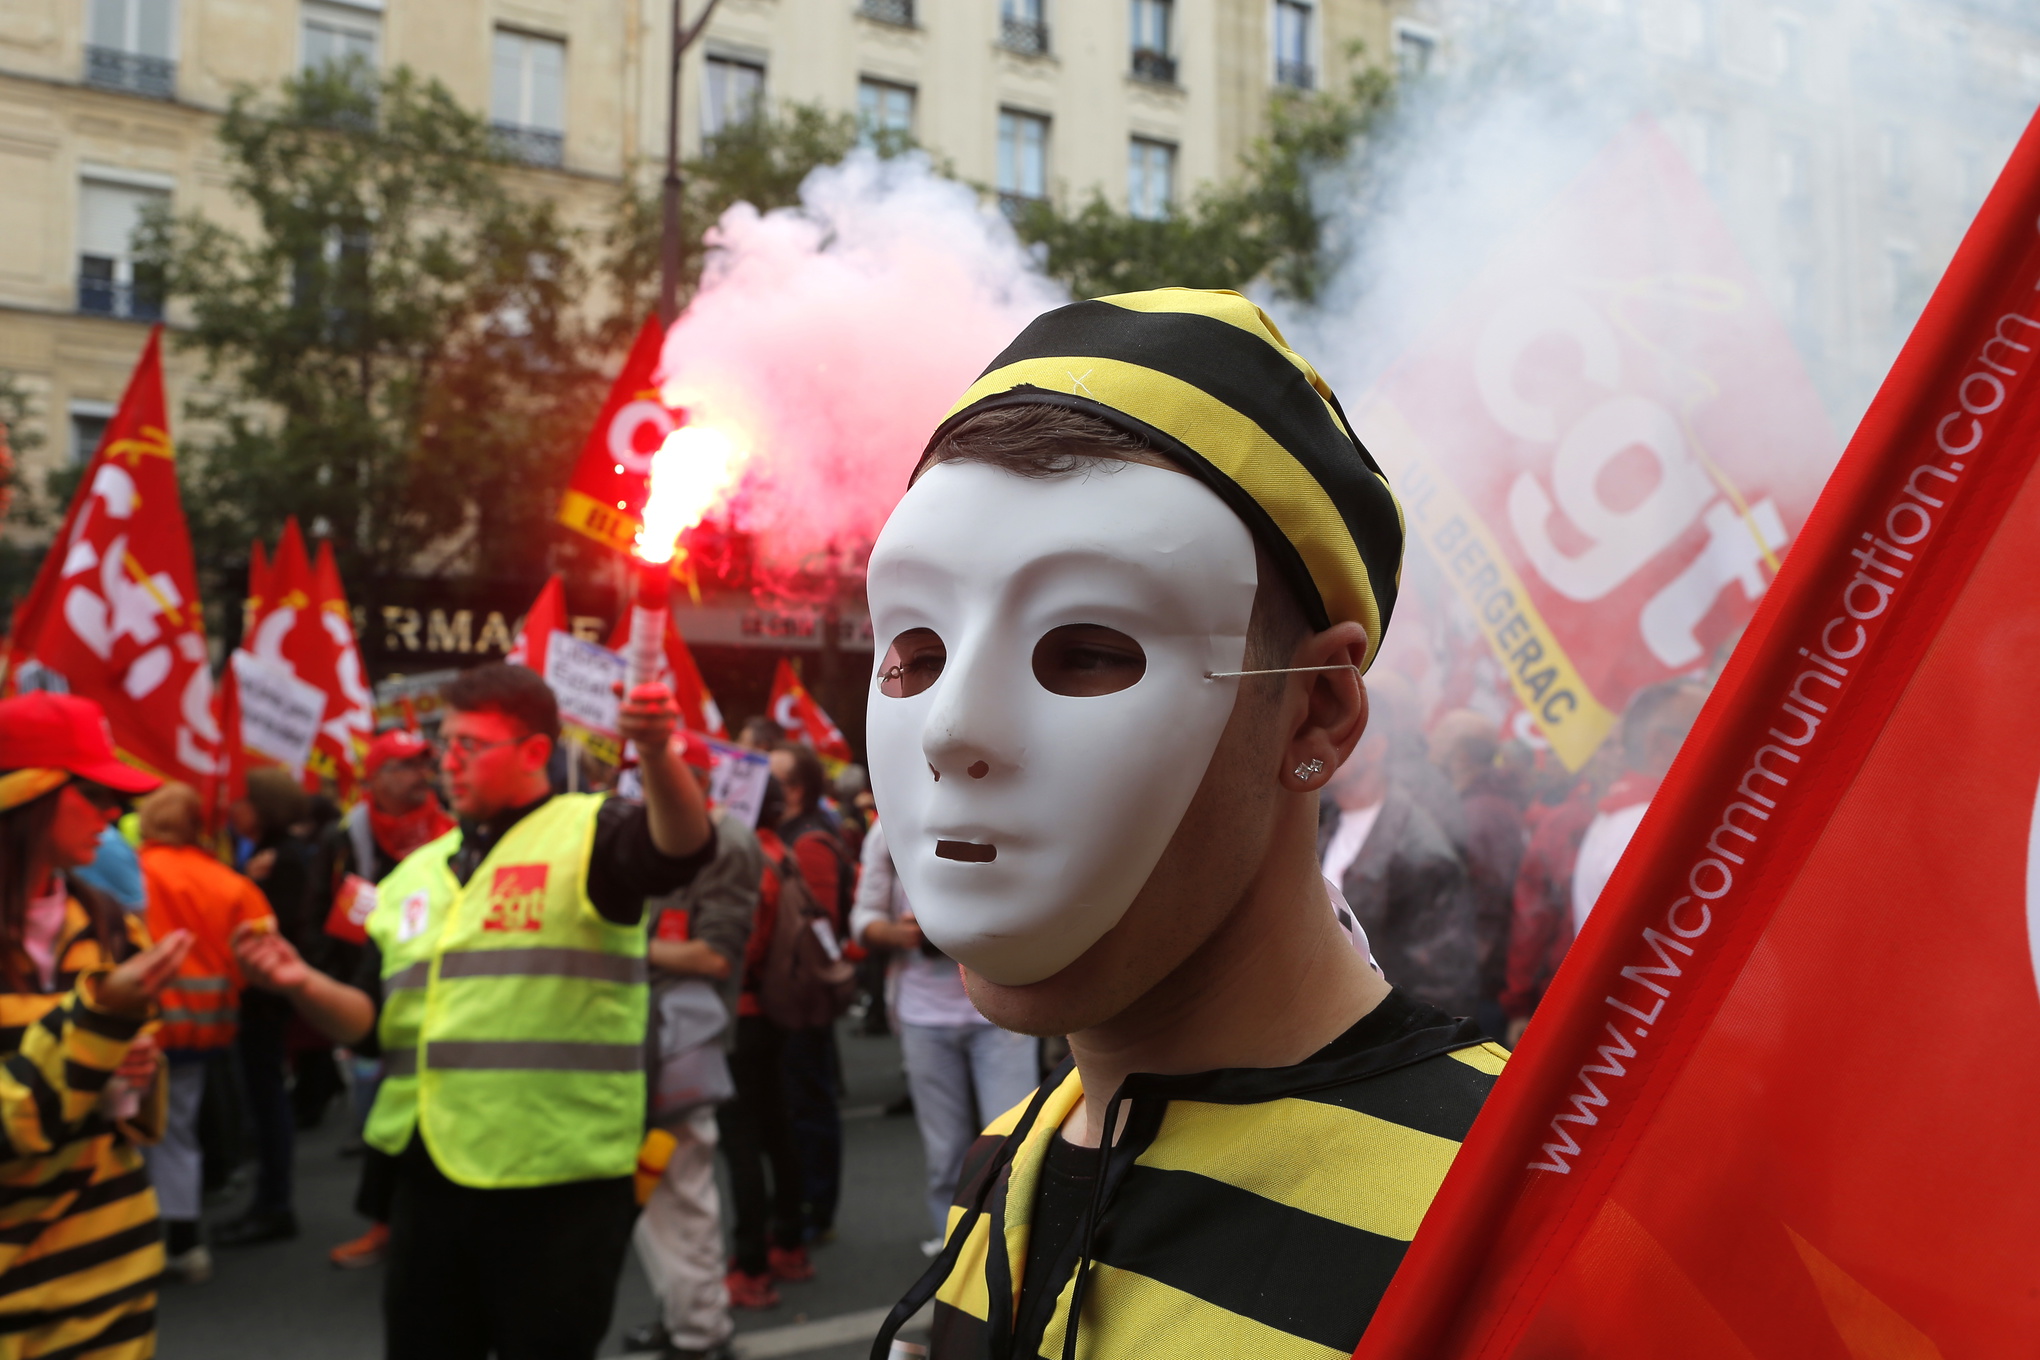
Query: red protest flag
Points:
[259, 592]
[606, 495]
[547, 615]
[350, 709]
[698, 709]
[114, 612]
[1780, 1099]
[796, 711]
[1607, 441]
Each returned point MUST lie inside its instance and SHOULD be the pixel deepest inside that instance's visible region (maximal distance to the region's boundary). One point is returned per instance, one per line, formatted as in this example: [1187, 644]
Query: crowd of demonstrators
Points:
[962, 1071]
[82, 1084]
[190, 890]
[1471, 860]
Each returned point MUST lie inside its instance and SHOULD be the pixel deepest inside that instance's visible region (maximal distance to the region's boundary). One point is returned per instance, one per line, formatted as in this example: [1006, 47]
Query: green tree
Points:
[1264, 224]
[398, 353]
[21, 507]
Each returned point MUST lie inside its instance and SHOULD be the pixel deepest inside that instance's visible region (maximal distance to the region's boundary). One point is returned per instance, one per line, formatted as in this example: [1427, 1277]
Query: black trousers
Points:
[260, 1044]
[519, 1274]
[755, 1131]
[812, 1108]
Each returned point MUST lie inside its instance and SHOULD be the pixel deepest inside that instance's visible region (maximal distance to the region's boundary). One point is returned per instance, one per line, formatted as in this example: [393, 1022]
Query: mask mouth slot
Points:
[966, 852]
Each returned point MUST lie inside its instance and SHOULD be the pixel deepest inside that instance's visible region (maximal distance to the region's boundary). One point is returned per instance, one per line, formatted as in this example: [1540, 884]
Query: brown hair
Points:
[172, 815]
[1043, 440]
[23, 831]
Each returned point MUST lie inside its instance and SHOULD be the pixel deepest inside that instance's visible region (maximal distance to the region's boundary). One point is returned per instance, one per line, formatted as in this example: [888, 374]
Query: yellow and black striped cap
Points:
[1206, 377]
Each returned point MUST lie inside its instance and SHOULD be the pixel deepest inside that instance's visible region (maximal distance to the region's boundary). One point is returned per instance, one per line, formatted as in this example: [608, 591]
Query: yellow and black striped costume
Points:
[1245, 1212]
[80, 1247]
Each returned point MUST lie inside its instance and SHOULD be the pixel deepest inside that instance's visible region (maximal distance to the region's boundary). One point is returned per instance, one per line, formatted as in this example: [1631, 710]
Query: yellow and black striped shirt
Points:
[80, 1247]
[1246, 1212]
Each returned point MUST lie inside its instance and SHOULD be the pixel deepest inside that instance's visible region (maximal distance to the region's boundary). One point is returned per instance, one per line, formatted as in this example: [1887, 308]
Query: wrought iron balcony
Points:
[1296, 75]
[897, 12]
[112, 69]
[1158, 67]
[533, 146]
[140, 301]
[1028, 37]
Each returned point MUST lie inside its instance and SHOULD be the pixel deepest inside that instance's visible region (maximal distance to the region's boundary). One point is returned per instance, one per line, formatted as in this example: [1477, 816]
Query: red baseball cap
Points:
[395, 744]
[65, 732]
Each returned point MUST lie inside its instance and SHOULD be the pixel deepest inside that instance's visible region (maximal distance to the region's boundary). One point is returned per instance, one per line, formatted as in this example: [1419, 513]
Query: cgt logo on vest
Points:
[516, 898]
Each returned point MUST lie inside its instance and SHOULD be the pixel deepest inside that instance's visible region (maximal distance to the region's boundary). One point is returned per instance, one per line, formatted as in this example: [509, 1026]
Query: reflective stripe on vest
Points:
[507, 997]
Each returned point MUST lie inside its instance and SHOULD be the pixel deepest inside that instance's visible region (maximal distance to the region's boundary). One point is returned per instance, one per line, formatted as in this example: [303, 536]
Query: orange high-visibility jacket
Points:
[191, 890]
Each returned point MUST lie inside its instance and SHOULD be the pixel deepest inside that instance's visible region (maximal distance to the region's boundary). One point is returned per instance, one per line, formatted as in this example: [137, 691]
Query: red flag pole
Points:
[1941, 454]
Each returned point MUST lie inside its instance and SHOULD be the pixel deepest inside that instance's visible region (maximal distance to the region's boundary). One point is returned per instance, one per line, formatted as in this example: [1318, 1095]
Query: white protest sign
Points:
[584, 677]
[280, 714]
[736, 778]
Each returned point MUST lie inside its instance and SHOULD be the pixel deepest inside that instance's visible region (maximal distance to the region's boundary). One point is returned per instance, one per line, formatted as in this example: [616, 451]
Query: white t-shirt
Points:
[1348, 839]
[1600, 849]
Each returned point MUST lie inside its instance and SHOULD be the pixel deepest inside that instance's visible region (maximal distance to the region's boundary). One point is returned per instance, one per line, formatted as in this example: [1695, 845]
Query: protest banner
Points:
[279, 714]
[1607, 443]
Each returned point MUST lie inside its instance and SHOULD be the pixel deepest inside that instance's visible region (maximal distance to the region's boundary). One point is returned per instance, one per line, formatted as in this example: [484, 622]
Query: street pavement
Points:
[285, 1300]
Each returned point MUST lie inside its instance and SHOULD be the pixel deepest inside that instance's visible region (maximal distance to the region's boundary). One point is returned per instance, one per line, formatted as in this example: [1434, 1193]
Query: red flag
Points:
[260, 593]
[795, 710]
[114, 612]
[350, 708]
[1781, 1098]
[547, 615]
[1606, 443]
[698, 709]
[606, 494]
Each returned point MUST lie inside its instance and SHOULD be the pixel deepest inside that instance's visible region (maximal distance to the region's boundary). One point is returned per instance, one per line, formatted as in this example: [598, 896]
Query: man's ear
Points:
[1328, 707]
[535, 751]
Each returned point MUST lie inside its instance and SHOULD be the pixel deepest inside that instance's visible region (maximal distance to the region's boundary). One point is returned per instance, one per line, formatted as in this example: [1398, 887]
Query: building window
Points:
[1416, 48]
[1023, 27]
[88, 426]
[733, 93]
[1150, 178]
[1293, 66]
[109, 284]
[896, 12]
[1788, 51]
[336, 35]
[1023, 157]
[885, 112]
[130, 45]
[528, 97]
[1894, 154]
[1153, 35]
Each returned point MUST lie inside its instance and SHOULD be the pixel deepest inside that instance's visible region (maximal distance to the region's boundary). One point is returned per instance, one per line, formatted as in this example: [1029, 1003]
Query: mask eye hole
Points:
[1087, 659]
[912, 663]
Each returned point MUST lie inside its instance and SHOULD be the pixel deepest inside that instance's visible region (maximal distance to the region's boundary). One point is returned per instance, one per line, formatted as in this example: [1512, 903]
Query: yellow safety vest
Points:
[513, 1018]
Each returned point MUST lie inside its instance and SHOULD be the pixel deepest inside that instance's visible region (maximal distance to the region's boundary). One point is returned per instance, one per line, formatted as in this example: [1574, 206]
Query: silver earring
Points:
[1309, 769]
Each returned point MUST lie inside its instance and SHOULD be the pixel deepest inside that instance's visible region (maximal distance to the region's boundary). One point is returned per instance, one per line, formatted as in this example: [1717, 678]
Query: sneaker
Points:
[369, 1249]
[751, 1291]
[256, 1227]
[790, 1264]
[190, 1267]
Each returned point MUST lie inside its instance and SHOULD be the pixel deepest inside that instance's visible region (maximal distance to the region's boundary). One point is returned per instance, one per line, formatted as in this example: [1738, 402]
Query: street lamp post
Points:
[669, 235]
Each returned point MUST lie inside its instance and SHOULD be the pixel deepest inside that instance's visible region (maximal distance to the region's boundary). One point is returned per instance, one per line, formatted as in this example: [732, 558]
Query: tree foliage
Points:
[1263, 225]
[397, 353]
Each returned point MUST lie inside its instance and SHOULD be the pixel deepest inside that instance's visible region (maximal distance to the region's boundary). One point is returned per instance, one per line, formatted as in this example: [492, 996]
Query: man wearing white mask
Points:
[1122, 613]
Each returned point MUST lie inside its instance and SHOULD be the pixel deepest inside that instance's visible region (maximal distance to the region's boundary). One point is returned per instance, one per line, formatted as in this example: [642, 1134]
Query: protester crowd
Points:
[654, 942]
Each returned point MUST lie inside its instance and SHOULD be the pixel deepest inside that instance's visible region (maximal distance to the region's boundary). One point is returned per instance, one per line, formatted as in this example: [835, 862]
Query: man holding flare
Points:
[1124, 607]
[505, 984]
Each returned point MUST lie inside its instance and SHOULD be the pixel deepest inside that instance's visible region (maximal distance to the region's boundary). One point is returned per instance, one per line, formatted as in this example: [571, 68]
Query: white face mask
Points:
[1061, 776]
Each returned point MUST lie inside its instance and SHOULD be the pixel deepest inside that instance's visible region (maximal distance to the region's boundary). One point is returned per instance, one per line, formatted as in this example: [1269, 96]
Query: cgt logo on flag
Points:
[516, 898]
